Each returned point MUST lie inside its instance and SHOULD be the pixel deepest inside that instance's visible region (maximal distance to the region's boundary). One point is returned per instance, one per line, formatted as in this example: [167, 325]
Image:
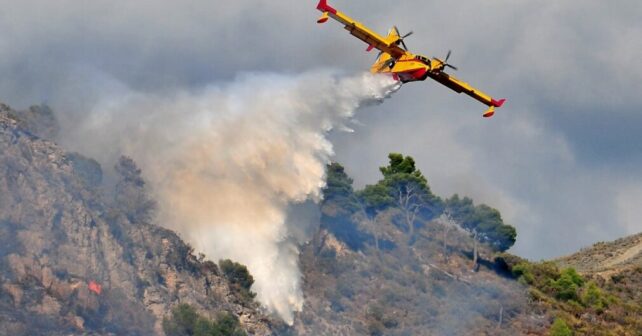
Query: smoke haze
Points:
[226, 162]
[568, 138]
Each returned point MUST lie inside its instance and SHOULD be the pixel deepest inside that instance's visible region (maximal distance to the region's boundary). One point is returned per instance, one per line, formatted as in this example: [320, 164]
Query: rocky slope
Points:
[80, 258]
[617, 267]
[75, 261]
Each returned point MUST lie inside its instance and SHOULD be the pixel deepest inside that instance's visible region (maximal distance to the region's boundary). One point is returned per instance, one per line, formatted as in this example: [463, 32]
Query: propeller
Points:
[401, 38]
[400, 41]
[445, 62]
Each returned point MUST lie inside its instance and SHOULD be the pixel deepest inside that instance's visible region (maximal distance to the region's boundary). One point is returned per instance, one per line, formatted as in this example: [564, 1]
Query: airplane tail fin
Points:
[393, 34]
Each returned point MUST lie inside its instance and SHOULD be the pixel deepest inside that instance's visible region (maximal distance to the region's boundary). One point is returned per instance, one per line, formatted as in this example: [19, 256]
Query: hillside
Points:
[607, 258]
[368, 273]
[78, 259]
[80, 256]
[617, 267]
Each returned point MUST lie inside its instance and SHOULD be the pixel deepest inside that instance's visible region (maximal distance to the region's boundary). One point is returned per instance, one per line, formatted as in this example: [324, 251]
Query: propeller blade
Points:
[379, 54]
[404, 44]
[410, 33]
[447, 56]
[396, 30]
[451, 66]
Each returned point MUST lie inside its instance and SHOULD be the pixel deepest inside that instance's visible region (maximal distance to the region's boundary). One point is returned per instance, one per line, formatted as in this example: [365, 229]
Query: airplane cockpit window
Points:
[422, 59]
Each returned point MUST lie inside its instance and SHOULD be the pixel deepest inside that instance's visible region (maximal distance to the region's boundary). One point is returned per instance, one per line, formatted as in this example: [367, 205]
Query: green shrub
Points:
[239, 277]
[182, 321]
[565, 289]
[594, 298]
[560, 328]
[566, 286]
[523, 273]
[185, 321]
[575, 277]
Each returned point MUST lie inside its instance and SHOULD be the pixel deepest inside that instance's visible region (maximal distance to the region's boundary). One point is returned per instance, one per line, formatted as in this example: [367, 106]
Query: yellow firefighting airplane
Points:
[395, 59]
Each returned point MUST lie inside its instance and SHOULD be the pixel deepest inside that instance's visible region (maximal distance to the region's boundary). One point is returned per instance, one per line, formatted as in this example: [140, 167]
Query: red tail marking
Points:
[498, 103]
[324, 7]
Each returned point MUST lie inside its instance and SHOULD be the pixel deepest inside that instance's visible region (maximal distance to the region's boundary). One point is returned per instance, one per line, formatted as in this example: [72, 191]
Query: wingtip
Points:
[498, 103]
[489, 113]
[324, 18]
[324, 7]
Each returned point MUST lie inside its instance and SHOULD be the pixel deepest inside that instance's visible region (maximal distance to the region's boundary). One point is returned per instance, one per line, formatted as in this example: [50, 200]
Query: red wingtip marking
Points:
[370, 47]
[498, 103]
[324, 7]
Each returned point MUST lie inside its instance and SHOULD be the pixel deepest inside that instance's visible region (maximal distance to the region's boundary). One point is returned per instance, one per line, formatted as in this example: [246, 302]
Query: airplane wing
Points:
[461, 86]
[357, 29]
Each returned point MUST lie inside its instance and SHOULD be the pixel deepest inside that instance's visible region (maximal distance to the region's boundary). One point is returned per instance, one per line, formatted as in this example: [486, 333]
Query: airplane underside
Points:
[411, 76]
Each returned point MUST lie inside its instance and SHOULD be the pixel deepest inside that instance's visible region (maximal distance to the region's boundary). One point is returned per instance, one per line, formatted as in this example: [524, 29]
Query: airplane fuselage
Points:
[396, 60]
[409, 67]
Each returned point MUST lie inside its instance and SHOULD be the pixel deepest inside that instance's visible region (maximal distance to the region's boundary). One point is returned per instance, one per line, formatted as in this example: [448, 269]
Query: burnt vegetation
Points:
[393, 258]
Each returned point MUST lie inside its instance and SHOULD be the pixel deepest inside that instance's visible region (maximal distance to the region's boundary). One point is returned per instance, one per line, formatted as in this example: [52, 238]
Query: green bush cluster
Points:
[560, 328]
[404, 188]
[565, 285]
[483, 220]
[239, 277]
[594, 297]
[185, 321]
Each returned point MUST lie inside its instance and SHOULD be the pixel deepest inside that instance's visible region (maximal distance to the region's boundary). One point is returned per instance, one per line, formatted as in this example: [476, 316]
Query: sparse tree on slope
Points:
[410, 191]
[131, 193]
[338, 190]
[372, 200]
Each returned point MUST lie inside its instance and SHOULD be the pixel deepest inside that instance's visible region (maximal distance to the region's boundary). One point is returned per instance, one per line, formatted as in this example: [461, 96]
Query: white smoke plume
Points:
[226, 162]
